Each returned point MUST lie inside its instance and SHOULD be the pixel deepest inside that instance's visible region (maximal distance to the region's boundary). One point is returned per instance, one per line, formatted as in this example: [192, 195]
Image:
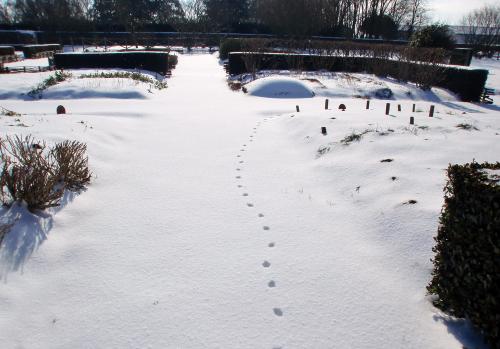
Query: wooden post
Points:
[399, 107]
[297, 108]
[387, 108]
[412, 120]
[367, 104]
[326, 104]
[431, 112]
[414, 108]
[324, 131]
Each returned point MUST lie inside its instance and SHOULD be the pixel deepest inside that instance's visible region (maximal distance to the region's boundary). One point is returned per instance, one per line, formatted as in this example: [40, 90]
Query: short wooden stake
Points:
[326, 104]
[324, 131]
[412, 120]
[431, 112]
[399, 107]
[367, 104]
[414, 108]
[387, 108]
[297, 108]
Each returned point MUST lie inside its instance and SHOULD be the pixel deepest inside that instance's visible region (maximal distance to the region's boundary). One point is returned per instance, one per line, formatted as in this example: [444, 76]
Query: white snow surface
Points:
[221, 220]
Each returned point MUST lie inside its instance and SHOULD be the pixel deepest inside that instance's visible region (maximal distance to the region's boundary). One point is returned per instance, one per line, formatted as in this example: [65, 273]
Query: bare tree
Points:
[195, 18]
[482, 27]
[5, 17]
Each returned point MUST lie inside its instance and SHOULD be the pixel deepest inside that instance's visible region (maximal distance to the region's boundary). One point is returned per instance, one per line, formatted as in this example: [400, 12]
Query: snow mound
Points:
[279, 87]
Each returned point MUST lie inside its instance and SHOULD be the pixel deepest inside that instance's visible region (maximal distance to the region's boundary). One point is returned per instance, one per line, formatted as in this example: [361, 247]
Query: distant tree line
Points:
[349, 18]
[386, 19]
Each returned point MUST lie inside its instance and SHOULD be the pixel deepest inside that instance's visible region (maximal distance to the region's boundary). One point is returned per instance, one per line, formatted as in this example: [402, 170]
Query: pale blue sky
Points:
[451, 11]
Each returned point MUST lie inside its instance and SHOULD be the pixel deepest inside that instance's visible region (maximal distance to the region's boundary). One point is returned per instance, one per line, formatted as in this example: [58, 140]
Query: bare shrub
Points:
[27, 175]
[71, 164]
[38, 176]
[4, 229]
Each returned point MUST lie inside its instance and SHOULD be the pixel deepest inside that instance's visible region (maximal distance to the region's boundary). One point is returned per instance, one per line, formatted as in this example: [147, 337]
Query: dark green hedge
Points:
[466, 276]
[153, 61]
[230, 45]
[31, 51]
[467, 83]
[7, 51]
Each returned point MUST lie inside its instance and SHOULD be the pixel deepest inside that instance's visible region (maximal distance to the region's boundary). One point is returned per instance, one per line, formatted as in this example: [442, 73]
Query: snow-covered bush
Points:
[466, 276]
[38, 176]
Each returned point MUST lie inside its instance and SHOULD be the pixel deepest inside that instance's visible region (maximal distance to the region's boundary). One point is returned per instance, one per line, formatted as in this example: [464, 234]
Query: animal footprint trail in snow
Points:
[278, 312]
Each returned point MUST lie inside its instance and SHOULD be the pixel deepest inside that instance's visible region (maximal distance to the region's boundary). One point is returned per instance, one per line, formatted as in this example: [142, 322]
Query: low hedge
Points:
[466, 276]
[7, 51]
[230, 45]
[153, 61]
[31, 51]
[467, 83]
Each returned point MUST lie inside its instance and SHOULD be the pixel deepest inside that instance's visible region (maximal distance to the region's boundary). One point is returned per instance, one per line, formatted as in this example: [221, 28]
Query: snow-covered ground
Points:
[217, 219]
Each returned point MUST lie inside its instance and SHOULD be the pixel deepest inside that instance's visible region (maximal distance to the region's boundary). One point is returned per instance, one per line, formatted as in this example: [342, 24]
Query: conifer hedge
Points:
[31, 51]
[468, 84]
[466, 276]
[7, 51]
[153, 61]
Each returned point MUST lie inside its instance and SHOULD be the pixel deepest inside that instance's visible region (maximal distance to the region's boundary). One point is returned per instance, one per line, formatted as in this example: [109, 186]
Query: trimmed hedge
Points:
[230, 45]
[467, 83]
[466, 275]
[7, 51]
[31, 51]
[153, 61]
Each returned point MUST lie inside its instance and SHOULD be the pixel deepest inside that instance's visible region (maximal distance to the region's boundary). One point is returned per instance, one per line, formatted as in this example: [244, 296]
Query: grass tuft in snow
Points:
[159, 85]
[467, 127]
[7, 112]
[38, 176]
[354, 137]
[58, 77]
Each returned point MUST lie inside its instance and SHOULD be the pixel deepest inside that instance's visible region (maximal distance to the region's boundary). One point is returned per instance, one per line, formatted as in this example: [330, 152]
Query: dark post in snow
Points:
[298, 109]
[399, 107]
[367, 104]
[326, 104]
[412, 120]
[414, 108]
[387, 108]
[431, 112]
[61, 110]
[323, 131]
